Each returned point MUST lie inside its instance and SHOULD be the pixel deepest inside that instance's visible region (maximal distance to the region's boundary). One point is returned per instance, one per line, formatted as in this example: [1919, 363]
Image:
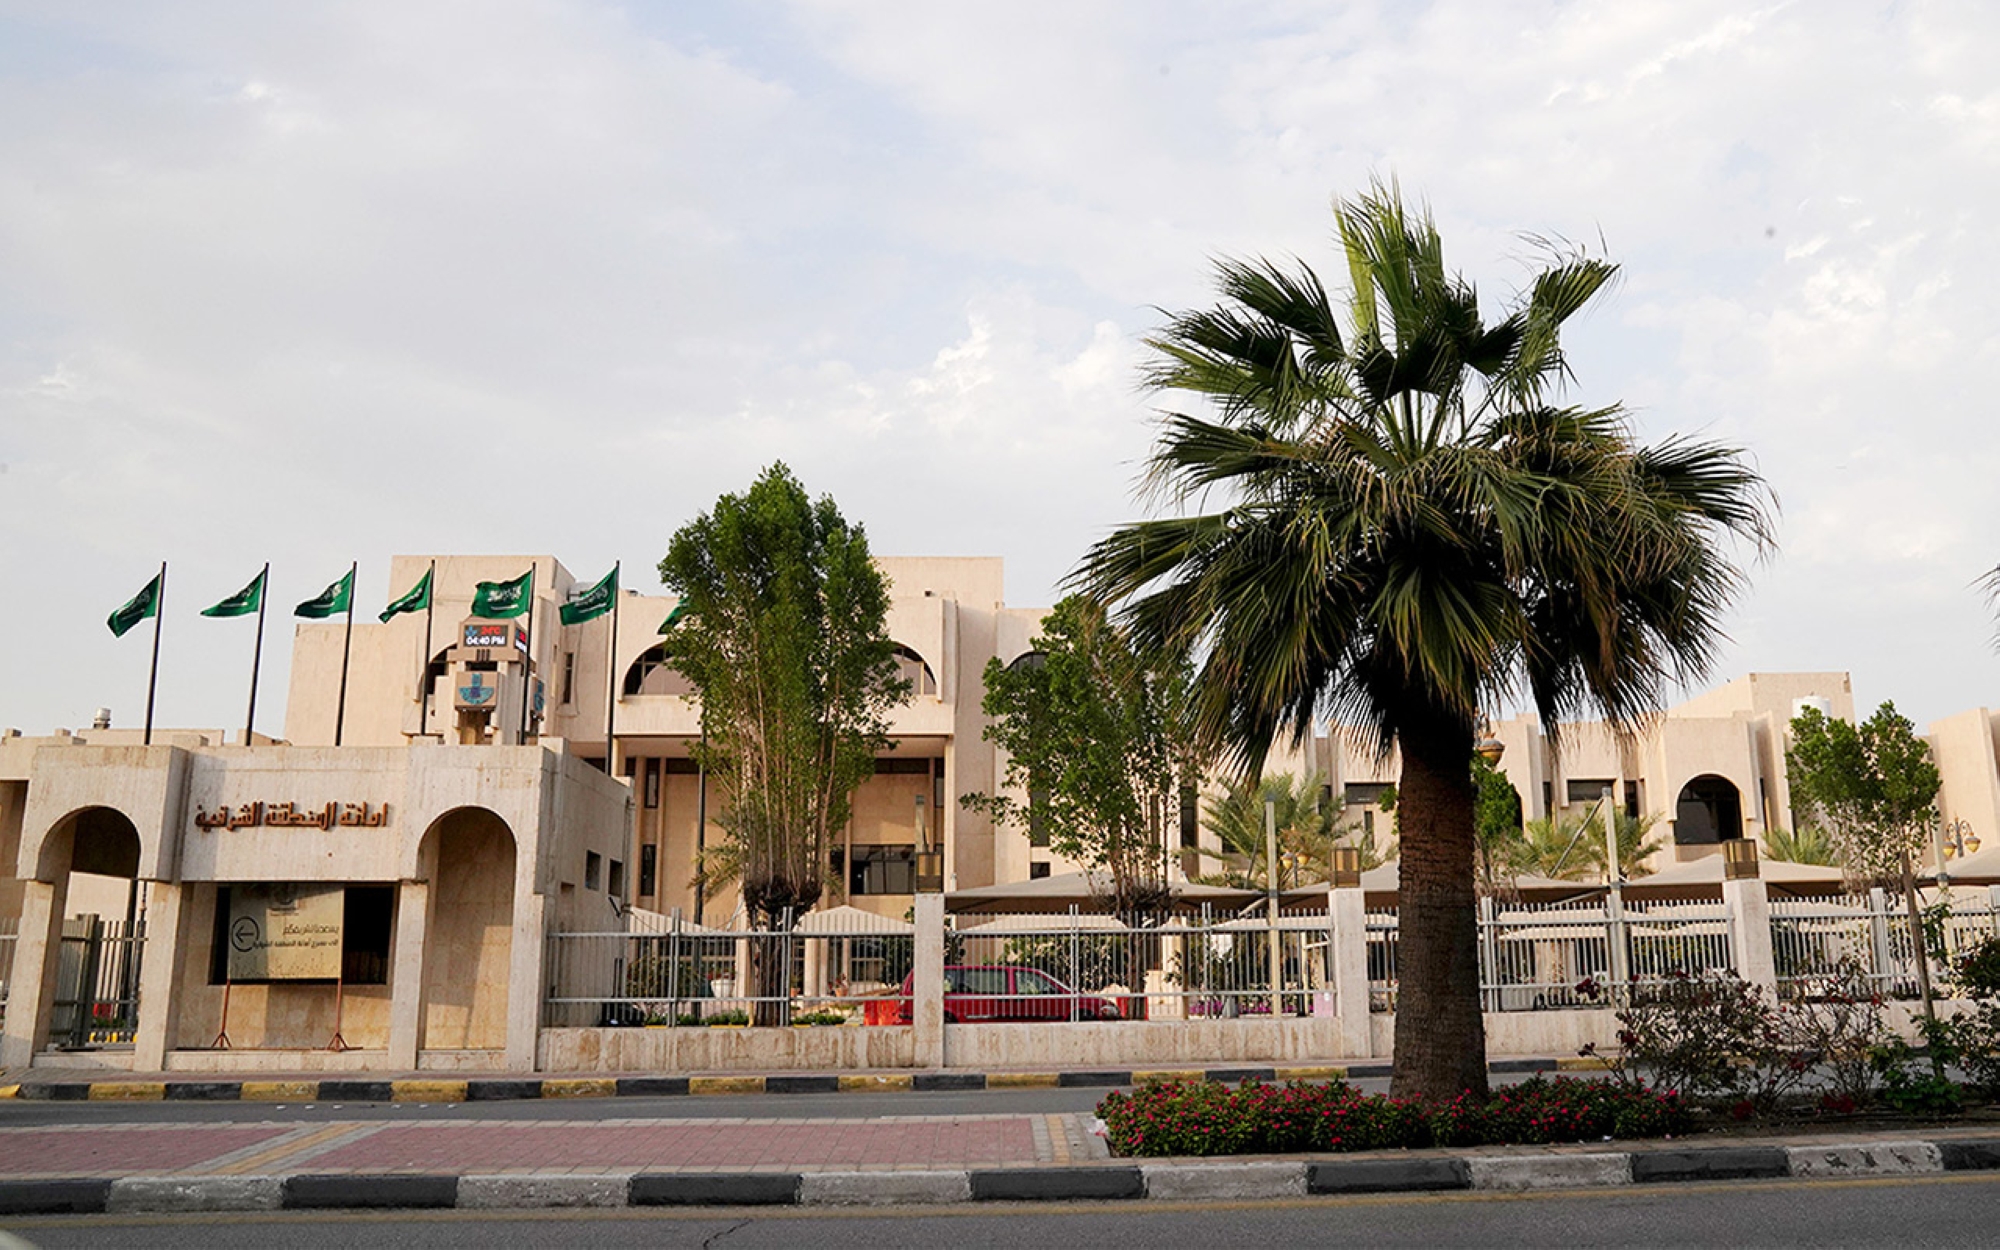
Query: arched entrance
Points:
[1709, 811]
[468, 854]
[92, 855]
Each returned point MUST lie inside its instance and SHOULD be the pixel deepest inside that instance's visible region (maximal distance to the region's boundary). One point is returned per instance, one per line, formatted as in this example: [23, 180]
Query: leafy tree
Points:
[1558, 846]
[1873, 787]
[1306, 829]
[1099, 738]
[1807, 844]
[1407, 525]
[1496, 820]
[786, 644]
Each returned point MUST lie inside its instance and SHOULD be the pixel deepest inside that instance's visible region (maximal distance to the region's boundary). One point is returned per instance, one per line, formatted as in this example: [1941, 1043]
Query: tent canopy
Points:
[1086, 891]
[1702, 878]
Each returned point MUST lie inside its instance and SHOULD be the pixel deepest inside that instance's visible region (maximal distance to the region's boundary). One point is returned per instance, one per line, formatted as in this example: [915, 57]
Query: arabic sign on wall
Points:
[292, 816]
[285, 932]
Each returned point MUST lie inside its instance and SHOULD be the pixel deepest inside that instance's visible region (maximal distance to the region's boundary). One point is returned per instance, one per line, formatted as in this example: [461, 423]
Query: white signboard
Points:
[285, 932]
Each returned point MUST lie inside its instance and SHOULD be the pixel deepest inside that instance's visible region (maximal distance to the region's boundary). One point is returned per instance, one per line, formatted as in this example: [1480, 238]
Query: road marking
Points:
[292, 1148]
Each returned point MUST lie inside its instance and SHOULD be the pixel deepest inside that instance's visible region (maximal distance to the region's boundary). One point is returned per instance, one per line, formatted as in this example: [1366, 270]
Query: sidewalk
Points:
[55, 1084]
[205, 1166]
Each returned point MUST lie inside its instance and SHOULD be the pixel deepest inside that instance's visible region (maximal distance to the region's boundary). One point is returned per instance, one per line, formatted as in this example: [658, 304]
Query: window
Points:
[983, 980]
[649, 869]
[593, 870]
[1368, 821]
[1038, 829]
[615, 887]
[1632, 798]
[569, 677]
[1190, 819]
[1365, 793]
[881, 870]
[654, 673]
[1585, 789]
[911, 668]
[1029, 981]
[652, 783]
[1038, 870]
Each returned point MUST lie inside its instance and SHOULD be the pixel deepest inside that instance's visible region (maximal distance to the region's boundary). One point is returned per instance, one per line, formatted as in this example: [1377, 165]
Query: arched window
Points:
[911, 668]
[1710, 810]
[1029, 659]
[654, 673]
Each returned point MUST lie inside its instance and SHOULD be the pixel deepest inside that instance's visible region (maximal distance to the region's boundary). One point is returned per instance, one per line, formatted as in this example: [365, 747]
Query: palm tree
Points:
[1808, 844]
[1305, 829]
[1408, 527]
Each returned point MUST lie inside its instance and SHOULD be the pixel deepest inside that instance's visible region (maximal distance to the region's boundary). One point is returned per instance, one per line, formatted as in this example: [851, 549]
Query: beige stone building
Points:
[384, 902]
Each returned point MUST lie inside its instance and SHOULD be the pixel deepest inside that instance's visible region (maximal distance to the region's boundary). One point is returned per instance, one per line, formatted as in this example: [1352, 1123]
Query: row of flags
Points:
[491, 600]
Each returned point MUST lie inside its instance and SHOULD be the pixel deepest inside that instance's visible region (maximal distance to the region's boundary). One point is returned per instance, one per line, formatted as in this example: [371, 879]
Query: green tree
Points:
[1099, 738]
[1409, 526]
[1807, 844]
[1496, 820]
[786, 644]
[1873, 787]
[1306, 829]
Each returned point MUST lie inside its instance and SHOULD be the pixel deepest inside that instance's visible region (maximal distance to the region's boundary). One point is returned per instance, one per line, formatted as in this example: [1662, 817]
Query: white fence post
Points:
[1750, 931]
[1878, 934]
[1348, 931]
[927, 982]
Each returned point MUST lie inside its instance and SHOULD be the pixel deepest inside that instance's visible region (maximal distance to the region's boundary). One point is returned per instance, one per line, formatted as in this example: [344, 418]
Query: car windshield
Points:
[1029, 981]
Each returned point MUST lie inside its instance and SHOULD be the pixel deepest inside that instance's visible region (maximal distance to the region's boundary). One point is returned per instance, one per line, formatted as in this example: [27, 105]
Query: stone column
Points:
[1347, 913]
[406, 979]
[1750, 932]
[32, 987]
[159, 963]
[927, 982]
[524, 981]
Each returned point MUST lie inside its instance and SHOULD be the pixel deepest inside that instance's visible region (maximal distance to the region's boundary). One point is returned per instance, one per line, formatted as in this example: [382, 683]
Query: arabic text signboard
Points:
[285, 932]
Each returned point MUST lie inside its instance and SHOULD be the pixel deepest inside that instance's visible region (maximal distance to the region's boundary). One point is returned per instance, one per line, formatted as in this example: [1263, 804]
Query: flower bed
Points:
[1210, 1118]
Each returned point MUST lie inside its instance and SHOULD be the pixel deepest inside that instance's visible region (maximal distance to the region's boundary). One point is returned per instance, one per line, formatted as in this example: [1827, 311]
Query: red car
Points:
[984, 994]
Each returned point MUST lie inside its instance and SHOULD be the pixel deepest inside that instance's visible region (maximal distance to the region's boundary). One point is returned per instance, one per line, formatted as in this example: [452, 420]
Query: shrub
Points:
[1207, 1118]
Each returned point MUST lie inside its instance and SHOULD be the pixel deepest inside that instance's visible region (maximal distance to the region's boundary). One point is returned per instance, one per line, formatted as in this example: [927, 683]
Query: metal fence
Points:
[8, 934]
[1537, 957]
[664, 971]
[1071, 966]
[97, 983]
[1817, 942]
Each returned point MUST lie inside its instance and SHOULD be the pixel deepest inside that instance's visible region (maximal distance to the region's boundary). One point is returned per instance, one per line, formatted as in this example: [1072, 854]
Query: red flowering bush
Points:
[1209, 1118]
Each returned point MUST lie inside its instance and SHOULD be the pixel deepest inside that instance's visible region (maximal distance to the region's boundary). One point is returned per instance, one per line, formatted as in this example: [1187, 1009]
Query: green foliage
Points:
[1496, 819]
[1208, 1118]
[1305, 829]
[1807, 844]
[824, 1017]
[1100, 737]
[785, 641]
[1873, 787]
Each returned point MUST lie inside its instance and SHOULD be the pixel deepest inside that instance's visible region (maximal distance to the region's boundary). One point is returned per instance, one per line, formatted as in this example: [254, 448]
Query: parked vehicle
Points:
[984, 994]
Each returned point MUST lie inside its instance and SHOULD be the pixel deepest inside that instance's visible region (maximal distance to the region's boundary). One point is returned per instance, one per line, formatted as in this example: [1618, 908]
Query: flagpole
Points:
[346, 648]
[430, 599]
[611, 686]
[153, 677]
[528, 660]
[257, 653]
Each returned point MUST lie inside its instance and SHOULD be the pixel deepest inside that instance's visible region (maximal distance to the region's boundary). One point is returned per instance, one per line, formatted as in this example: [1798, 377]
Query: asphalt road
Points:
[1959, 1210]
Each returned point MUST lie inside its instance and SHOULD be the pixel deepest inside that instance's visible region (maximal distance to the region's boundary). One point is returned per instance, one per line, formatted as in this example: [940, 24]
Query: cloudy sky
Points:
[320, 282]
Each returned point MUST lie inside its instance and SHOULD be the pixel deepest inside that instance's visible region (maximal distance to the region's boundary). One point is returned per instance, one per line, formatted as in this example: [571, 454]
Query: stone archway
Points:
[469, 855]
[1709, 811]
[91, 857]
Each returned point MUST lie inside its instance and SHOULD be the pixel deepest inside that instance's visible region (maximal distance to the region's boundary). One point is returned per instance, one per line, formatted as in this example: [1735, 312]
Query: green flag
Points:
[417, 600]
[143, 605]
[594, 602]
[674, 617]
[332, 601]
[496, 601]
[244, 602]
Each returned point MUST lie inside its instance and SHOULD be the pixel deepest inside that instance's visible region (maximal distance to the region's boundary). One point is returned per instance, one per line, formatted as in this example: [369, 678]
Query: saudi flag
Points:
[674, 617]
[142, 606]
[594, 602]
[417, 600]
[332, 601]
[496, 601]
[243, 602]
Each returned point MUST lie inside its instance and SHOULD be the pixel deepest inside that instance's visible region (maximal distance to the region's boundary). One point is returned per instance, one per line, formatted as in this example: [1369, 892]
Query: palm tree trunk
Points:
[1440, 1032]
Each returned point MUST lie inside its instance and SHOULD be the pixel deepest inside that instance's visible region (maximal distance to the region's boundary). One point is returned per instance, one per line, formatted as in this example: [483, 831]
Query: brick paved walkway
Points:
[542, 1146]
